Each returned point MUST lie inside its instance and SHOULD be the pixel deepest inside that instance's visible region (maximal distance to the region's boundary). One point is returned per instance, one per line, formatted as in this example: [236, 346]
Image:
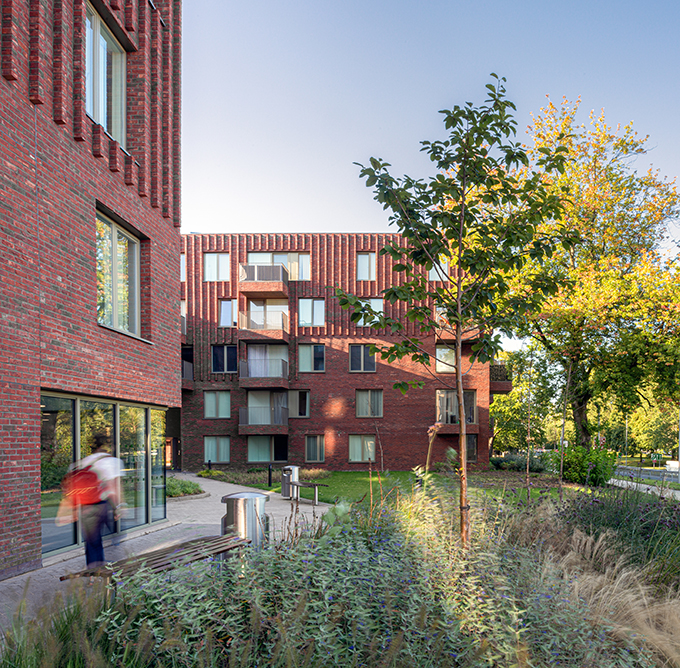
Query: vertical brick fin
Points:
[129, 172]
[58, 67]
[156, 97]
[165, 121]
[177, 107]
[141, 179]
[114, 4]
[130, 15]
[36, 91]
[79, 118]
[138, 76]
[146, 291]
[98, 139]
[9, 39]
[114, 155]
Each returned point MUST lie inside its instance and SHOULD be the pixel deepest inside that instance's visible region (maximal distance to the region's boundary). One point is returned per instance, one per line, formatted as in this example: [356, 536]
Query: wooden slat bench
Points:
[315, 485]
[166, 558]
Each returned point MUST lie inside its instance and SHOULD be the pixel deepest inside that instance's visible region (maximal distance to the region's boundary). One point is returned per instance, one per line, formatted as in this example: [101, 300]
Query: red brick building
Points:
[275, 371]
[89, 218]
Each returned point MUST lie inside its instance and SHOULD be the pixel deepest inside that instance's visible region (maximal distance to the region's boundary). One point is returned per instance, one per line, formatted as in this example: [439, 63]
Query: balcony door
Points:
[266, 360]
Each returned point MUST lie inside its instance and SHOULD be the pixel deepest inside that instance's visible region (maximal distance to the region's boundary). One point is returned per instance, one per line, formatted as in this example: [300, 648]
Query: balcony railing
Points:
[263, 272]
[262, 415]
[276, 368]
[500, 373]
[187, 370]
[263, 320]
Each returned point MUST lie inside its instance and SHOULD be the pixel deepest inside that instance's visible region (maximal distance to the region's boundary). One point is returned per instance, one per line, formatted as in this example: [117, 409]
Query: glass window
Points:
[157, 443]
[314, 448]
[104, 77]
[439, 271]
[182, 268]
[369, 403]
[377, 305]
[298, 403]
[304, 273]
[227, 313]
[471, 447]
[365, 266]
[267, 448]
[117, 277]
[133, 454]
[311, 313]
[312, 357]
[362, 448]
[217, 404]
[361, 358]
[216, 449]
[445, 359]
[224, 359]
[447, 406]
[216, 267]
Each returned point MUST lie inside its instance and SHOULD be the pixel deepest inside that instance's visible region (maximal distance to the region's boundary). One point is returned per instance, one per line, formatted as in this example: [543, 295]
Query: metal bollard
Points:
[246, 517]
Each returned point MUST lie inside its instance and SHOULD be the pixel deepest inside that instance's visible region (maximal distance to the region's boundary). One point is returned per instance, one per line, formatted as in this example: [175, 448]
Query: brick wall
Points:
[58, 167]
[401, 432]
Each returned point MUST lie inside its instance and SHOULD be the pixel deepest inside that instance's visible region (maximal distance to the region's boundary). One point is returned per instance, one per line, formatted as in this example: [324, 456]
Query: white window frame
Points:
[362, 442]
[232, 320]
[315, 442]
[445, 358]
[317, 311]
[212, 357]
[366, 266]
[363, 369]
[216, 404]
[108, 300]
[439, 271]
[96, 76]
[368, 397]
[220, 445]
[304, 347]
[216, 267]
[444, 398]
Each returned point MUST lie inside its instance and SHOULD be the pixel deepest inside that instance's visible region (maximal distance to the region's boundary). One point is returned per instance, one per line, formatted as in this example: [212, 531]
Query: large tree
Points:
[477, 222]
[616, 323]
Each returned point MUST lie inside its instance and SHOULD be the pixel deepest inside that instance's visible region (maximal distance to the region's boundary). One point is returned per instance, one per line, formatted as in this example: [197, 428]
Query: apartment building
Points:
[89, 221]
[274, 371]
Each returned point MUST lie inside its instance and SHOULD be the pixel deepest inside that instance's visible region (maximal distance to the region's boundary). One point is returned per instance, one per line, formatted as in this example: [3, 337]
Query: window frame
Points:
[234, 313]
[371, 267]
[454, 397]
[224, 346]
[294, 404]
[96, 95]
[439, 269]
[314, 303]
[377, 304]
[440, 364]
[363, 369]
[217, 449]
[365, 457]
[134, 277]
[369, 402]
[217, 415]
[319, 446]
[475, 438]
[312, 357]
[216, 270]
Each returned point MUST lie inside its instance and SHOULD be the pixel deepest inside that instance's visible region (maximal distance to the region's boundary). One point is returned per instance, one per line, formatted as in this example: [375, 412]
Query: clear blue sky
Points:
[280, 98]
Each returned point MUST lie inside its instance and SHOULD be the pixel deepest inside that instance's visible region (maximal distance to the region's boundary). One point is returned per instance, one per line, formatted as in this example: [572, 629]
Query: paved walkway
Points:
[186, 519]
[646, 487]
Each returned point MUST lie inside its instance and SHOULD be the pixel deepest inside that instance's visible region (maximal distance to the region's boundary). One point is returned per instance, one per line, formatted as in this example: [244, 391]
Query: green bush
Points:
[175, 487]
[585, 467]
[518, 462]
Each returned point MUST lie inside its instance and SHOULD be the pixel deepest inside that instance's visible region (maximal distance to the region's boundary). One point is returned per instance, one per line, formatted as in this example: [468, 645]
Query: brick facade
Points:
[58, 169]
[400, 434]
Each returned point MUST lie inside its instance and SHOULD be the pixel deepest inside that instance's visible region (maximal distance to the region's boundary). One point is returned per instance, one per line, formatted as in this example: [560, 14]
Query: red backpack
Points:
[82, 486]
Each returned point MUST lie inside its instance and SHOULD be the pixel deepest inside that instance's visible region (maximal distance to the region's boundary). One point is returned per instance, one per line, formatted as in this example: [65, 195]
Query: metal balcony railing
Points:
[276, 368]
[500, 373]
[187, 370]
[262, 416]
[263, 272]
[258, 320]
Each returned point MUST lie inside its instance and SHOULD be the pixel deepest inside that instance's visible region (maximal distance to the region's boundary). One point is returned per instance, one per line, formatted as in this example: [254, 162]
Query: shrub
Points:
[176, 487]
[518, 462]
[585, 467]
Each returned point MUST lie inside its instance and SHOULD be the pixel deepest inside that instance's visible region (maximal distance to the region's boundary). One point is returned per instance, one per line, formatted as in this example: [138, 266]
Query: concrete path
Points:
[187, 518]
[646, 487]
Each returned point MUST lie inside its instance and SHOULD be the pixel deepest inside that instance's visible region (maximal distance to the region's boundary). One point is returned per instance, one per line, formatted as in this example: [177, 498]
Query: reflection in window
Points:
[157, 443]
[133, 454]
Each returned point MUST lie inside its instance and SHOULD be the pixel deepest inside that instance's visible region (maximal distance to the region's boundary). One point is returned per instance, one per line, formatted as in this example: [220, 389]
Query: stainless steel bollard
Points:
[246, 517]
[285, 485]
[294, 473]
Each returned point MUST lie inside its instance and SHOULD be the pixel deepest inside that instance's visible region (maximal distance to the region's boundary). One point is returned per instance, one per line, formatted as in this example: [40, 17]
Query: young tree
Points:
[478, 218]
[616, 322]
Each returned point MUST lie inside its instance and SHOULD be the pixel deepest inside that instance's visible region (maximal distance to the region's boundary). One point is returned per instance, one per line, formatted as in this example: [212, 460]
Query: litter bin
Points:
[289, 474]
[246, 517]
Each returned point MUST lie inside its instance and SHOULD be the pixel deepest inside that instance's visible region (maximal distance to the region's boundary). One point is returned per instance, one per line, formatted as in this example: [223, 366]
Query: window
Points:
[267, 314]
[298, 403]
[314, 450]
[266, 407]
[182, 268]
[361, 358]
[311, 313]
[362, 448]
[447, 406]
[267, 360]
[228, 313]
[377, 305]
[365, 266]
[216, 267]
[267, 448]
[183, 316]
[224, 359]
[471, 447]
[117, 277]
[297, 264]
[217, 404]
[445, 359]
[304, 269]
[312, 358]
[104, 77]
[439, 271]
[369, 403]
[216, 449]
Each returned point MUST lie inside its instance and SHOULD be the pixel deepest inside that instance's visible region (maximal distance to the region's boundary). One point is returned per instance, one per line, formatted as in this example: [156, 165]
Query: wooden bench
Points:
[315, 485]
[166, 558]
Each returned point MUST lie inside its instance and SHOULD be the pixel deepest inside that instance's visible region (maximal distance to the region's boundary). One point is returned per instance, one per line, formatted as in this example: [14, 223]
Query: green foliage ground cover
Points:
[176, 487]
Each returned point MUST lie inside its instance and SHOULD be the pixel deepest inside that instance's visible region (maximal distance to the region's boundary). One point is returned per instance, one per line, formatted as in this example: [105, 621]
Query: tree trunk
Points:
[462, 440]
[580, 396]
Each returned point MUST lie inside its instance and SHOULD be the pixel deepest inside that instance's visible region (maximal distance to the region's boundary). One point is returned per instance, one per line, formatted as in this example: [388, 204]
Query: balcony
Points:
[263, 373]
[262, 420]
[263, 326]
[500, 378]
[263, 280]
[187, 375]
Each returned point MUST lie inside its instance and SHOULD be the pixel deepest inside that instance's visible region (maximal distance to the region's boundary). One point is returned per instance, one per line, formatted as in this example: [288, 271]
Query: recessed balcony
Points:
[263, 326]
[263, 280]
[263, 373]
[262, 420]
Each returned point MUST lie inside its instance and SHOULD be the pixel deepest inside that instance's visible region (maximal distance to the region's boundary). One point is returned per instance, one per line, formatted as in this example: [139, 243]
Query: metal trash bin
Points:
[290, 474]
[246, 517]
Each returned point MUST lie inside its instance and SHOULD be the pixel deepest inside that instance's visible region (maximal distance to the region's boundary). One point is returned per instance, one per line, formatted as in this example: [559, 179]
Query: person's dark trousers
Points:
[94, 517]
